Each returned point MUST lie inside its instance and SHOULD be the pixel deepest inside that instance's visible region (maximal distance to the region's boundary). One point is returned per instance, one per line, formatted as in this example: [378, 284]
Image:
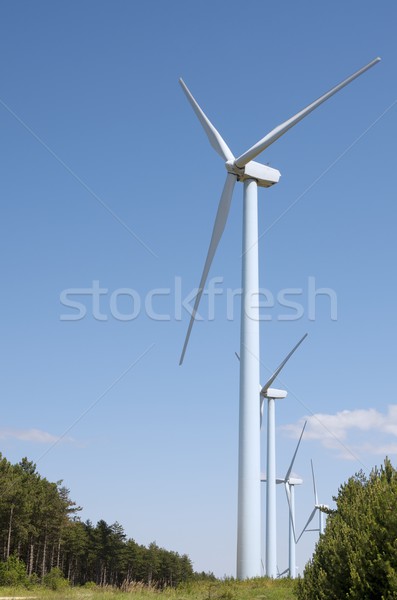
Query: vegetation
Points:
[42, 539]
[229, 589]
[356, 557]
[47, 550]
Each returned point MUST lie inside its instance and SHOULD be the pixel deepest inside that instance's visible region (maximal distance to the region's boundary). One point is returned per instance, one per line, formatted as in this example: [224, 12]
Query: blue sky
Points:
[108, 182]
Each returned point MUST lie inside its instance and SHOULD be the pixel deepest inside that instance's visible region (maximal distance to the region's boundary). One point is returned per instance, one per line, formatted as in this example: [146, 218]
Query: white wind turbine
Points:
[252, 174]
[289, 484]
[321, 508]
[272, 395]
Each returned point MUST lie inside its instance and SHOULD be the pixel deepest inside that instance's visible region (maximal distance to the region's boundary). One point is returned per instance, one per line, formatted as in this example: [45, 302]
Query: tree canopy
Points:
[40, 529]
[356, 557]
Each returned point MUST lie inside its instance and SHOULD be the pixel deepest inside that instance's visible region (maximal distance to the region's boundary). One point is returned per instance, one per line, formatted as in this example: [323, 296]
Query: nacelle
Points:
[295, 481]
[274, 393]
[265, 176]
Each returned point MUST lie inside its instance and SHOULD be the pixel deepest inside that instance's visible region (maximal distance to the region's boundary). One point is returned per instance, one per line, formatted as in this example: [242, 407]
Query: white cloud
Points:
[333, 429]
[31, 435]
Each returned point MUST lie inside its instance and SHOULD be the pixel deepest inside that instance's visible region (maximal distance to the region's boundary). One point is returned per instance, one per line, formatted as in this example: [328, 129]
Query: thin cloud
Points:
[31, 435]
[333, 430]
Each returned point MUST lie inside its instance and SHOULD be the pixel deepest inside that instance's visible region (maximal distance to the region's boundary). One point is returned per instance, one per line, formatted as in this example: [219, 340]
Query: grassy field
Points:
[255, 589]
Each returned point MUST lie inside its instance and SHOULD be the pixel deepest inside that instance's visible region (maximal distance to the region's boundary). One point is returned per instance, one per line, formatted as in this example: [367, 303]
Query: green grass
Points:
[229, 589]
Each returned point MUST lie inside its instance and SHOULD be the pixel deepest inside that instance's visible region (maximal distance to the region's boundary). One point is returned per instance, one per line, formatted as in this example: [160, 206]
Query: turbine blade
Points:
[308, 523]
[295, 453]
[281, 366]
[278, 131]
[215, 138]
[219, 226]
[288, 494]
[261, 407]
[279, 575]
[314, 485]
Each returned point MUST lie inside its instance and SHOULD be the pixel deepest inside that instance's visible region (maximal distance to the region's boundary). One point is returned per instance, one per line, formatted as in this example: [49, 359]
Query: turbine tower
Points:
[251, 174]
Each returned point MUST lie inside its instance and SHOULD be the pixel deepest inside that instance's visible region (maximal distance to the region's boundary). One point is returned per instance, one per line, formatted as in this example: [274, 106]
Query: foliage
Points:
[13, 572]
[54, 580]
[40, 526]
[90, 585]
[356, 557]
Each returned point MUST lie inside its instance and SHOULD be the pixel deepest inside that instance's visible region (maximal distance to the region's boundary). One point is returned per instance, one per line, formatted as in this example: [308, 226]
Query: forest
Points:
[40, 526]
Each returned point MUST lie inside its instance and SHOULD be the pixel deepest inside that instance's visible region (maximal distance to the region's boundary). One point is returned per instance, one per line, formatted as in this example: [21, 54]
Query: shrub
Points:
[90, 585]
[54, 580]
[13, 572]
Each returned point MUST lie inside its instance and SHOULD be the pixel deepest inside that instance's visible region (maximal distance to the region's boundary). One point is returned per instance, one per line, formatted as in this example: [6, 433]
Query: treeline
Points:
[39, 525]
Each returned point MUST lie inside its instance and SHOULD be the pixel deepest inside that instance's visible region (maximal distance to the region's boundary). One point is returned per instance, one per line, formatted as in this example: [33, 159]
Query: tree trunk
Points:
[43, 565]
[9, 532]
[37, 558]
[31, 558]
[59, 552]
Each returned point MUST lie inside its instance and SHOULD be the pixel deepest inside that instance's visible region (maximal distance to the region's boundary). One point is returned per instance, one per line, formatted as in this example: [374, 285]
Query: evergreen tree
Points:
[356, 557]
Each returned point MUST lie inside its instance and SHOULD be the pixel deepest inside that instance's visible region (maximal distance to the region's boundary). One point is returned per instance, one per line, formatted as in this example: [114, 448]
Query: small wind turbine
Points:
[271, 518]
[273, 394]
[317, 507]
[290, 483]
[252, 174]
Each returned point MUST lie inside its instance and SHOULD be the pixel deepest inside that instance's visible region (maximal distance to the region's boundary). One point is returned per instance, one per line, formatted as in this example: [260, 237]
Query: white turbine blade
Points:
[219, 226]
[308, 523]
[295, 453]
[215, 138]
[281, 366]
[314, 485]
[278, 131]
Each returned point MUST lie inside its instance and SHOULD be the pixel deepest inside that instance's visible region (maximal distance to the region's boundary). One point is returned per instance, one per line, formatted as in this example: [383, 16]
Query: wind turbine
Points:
[252, 174]
[289, 486]
[317, 507]
[290, 483]
[272, 395]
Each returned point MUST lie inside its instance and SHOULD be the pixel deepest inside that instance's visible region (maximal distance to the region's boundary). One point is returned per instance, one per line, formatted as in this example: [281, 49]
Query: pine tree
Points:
[356, 557]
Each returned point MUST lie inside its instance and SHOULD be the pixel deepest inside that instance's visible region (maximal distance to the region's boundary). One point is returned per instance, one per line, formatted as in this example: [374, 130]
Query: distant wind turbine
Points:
[321, 508]
[289, 486]
[252, 174]
[273, 394]
[290, 483]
